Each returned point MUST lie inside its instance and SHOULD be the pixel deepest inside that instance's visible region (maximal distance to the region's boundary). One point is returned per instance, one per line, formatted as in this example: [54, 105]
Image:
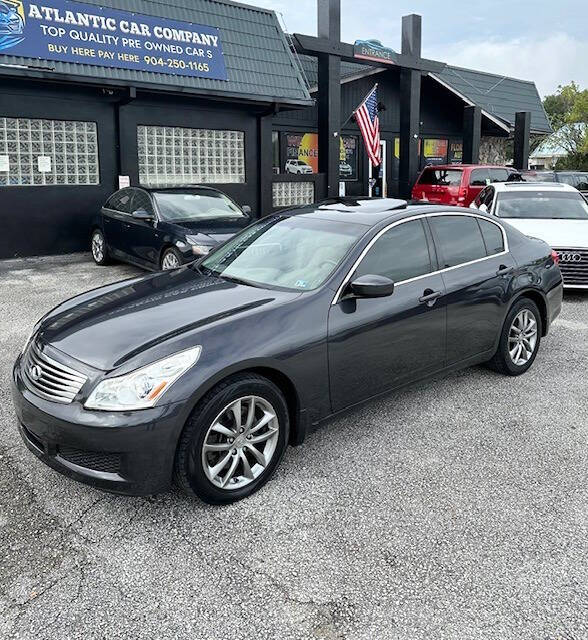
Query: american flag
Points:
[366, 116]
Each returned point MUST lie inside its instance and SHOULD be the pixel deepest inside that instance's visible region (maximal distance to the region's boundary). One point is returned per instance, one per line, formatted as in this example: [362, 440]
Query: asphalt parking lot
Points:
[454, 509]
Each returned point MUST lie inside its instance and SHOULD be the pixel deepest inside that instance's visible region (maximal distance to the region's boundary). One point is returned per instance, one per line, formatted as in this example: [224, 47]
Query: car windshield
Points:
[297, 253]
[545, 204]
[195, 205]
[443, 177]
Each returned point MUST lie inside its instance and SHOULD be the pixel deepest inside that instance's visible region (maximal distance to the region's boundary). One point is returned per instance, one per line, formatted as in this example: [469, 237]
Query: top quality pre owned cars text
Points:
[172, 374]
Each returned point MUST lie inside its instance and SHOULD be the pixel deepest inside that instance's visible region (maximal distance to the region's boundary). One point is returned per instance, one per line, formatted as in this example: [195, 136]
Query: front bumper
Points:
[122, 452]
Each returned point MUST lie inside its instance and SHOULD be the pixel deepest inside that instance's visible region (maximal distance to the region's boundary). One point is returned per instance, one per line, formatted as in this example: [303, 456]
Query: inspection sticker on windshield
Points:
[301, 283]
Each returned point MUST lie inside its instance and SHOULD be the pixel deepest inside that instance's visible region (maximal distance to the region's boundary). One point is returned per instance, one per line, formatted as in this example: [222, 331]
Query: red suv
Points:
[457, 184]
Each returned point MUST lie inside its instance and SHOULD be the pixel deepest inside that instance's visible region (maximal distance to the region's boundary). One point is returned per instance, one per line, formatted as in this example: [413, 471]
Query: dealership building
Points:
[98, 95]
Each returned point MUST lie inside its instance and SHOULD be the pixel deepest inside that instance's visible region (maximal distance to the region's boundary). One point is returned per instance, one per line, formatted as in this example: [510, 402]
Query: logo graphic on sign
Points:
[12, 23]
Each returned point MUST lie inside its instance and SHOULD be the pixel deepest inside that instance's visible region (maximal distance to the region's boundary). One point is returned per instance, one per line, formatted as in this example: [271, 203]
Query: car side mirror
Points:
[141, 214]
[246, 209]
[372, 286]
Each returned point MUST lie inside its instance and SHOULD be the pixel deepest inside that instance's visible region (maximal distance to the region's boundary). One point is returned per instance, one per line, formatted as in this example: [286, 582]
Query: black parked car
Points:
[577, 179]
[164, 228]
[207, 372]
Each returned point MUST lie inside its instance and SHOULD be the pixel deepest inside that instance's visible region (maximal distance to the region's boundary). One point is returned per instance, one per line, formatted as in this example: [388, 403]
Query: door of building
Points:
[377, 181]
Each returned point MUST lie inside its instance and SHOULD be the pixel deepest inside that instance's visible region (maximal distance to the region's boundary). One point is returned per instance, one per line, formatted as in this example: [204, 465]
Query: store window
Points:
[302, 155]
[177, 155]
[35, 152]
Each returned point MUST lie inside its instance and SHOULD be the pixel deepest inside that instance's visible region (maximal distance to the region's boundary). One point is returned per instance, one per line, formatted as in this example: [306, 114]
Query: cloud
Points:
[556, 59]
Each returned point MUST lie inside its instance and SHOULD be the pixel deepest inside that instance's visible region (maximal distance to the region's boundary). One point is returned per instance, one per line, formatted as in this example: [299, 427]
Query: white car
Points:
[297, 166]
[554, 212]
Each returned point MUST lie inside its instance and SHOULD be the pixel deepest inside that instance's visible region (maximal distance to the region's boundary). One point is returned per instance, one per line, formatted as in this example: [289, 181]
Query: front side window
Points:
[459, 239]
[542, 204]
[120, 201]
[400, 254]
[195, 204]
[35, 152]
[171, 156]
[142, 202]
[295, 253]
[479, 177]
[441, 177]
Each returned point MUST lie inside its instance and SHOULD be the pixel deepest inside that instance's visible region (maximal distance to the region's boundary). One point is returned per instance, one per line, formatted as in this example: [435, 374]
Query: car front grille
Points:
[105, 462]
[50, 379]
[574, 266]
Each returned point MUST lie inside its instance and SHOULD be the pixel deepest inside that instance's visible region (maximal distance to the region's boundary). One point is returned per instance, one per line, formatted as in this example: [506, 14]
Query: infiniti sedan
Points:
[164, 228]
[206, 373]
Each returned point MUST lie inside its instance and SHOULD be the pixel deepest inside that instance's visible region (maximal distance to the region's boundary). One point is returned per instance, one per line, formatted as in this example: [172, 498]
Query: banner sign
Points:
[435, 151]
[455, 154]
[88, 34]
[302, 151]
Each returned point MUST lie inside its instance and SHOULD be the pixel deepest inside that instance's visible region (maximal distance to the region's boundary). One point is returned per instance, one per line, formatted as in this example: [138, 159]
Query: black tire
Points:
[100, 257]
[502, 361]
[189, 472]
[171, 251]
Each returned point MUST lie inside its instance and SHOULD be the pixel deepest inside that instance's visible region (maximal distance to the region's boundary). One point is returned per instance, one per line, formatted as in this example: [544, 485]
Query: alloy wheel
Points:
[522, 337]
[240, 443]
[170, 261]
[98, 247]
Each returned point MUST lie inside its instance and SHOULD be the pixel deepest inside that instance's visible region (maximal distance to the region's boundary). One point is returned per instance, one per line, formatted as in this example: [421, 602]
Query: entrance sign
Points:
[374, 50]
[88, 34]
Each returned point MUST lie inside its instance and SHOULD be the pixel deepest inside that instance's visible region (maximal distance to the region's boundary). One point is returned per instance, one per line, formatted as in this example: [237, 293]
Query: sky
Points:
[542, 41]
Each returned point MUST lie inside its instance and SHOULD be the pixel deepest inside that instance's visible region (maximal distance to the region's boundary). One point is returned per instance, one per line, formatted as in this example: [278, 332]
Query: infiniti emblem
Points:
[35, 372]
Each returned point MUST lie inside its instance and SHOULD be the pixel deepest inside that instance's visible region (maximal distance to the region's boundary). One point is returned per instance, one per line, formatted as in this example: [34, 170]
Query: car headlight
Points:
[142, 388]
[198, 249]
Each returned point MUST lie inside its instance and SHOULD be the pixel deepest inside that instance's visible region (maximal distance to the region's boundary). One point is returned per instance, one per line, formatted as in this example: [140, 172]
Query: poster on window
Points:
[435, 151]
[302, 155]
[455, 154]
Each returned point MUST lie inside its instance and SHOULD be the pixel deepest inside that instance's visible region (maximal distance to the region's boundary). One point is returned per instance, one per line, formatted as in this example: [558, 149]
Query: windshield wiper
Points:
[235, 279]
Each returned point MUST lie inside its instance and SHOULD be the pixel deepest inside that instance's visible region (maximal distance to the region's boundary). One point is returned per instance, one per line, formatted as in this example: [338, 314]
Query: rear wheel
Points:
[233, 441]
[519, 340]
[99, 247]
[171, 259]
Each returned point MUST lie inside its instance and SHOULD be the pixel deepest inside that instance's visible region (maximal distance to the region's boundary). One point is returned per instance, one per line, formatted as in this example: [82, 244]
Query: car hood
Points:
[212, 231]
[109, 328]
[559, 234]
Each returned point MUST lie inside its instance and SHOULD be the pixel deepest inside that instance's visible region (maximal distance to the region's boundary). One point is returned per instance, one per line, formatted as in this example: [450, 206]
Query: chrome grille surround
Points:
[574, 266]
[49, 378]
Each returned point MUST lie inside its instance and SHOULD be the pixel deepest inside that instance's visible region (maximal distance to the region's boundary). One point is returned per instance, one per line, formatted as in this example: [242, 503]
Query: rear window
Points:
[441, 177]
[542, 204]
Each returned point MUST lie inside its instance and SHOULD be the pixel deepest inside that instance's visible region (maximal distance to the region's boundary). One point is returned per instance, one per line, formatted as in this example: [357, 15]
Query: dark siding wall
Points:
[55, 219]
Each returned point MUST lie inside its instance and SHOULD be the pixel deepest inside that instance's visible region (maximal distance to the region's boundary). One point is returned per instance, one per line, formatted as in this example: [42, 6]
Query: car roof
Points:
[177, 187]
[460, 167]
[369, 212]
[533, 186]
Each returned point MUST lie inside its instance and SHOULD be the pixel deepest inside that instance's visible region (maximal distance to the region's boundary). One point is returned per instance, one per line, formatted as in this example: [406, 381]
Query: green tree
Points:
[567, 110]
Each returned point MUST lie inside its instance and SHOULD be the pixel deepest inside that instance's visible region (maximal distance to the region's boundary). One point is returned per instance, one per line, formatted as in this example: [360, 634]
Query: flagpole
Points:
[359, 105]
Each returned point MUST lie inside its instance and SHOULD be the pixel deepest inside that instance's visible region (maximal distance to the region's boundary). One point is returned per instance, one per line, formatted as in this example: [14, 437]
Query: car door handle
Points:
[429, 296]
[504, 270]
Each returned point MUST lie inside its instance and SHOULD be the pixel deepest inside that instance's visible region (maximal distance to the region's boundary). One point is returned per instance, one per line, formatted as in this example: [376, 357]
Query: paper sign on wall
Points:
[4, 163]
[44, 164]
[124, 182]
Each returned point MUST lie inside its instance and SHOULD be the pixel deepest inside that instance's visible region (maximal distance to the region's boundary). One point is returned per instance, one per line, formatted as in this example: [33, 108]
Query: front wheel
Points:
[233, 441]
[171, 259]
[99, 248]
[519, 340]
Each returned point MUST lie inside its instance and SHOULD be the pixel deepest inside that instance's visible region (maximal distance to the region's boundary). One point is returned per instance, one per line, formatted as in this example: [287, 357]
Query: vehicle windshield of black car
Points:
[546, 204]
[195, 205]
